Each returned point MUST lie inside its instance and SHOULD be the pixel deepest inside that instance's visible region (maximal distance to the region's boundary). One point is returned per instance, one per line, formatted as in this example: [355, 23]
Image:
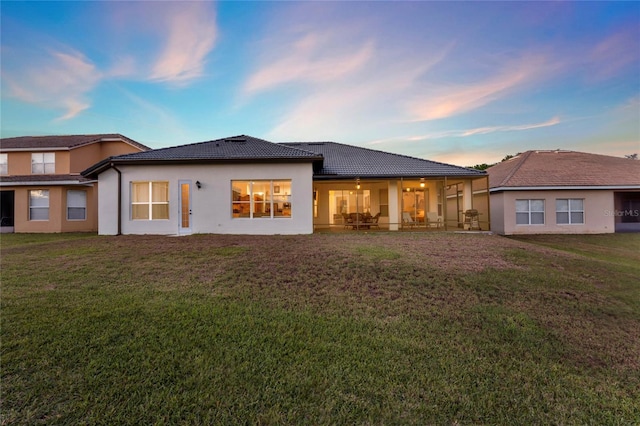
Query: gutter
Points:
[556, 188]
[49, 183]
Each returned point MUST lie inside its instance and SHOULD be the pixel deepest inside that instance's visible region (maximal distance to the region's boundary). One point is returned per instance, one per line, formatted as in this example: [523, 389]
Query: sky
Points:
[463, 83]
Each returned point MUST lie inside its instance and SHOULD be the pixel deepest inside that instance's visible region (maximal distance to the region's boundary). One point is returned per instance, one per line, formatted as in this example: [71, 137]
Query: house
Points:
[246, 185]
[41, 187]
[565, 192]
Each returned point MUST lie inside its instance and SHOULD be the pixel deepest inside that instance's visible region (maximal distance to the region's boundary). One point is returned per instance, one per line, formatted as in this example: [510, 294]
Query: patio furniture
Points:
[471, 220]
[347, 219]
[373, 223]
[433, 220]
[407, 220]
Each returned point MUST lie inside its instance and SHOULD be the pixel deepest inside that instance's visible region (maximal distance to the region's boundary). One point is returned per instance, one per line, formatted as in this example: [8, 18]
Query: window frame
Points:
[4, 164]
[570, 211]
[276, 198]
[530, 212]
[150, 201]
[45, 170]
[31, 207]
[84, 208]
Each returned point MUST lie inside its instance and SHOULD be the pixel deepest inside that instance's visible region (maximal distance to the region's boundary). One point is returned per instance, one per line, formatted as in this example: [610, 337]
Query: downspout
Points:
[119, 198]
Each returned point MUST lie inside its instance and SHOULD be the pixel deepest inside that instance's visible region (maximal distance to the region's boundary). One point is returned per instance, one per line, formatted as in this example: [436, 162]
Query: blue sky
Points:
[458, 82]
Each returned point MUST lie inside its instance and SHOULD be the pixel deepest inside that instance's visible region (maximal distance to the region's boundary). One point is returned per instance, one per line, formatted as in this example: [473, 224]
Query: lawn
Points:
[367, 328]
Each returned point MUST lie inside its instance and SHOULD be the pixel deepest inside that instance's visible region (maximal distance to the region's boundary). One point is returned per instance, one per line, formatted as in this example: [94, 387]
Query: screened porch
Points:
[415, 204]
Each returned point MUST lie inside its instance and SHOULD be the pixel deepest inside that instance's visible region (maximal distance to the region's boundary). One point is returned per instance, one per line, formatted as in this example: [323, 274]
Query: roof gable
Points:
[564, 168]
[64, 142]
[348, 161]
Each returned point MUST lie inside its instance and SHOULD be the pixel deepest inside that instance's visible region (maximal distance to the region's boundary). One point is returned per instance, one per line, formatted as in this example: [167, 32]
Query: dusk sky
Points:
[457, 82]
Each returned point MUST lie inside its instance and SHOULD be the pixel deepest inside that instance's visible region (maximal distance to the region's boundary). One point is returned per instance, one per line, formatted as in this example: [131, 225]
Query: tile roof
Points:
[62, 142]
[348, 161]
[234, 148]
[564, 168]
[27, 179]
[331, 160]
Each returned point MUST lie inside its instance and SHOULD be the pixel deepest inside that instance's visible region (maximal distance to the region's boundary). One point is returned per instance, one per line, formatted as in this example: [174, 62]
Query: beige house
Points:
[41, 189]
[565, 192]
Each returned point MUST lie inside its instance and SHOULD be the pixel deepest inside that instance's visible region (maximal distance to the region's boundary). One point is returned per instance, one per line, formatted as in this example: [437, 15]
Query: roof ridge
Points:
[525, 155]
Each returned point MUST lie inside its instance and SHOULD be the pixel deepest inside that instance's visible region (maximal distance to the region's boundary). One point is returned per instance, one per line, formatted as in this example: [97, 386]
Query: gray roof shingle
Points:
[348, 161]
[234, 148]
[331, 160]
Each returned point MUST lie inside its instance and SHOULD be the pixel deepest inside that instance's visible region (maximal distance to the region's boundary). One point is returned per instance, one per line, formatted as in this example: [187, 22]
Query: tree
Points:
[632, 156]
[483, 166]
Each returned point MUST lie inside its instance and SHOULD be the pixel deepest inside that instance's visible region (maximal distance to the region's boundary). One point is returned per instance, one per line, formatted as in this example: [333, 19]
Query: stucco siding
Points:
[497, 213]
[211, 204]
[596, 205]
[108, 203]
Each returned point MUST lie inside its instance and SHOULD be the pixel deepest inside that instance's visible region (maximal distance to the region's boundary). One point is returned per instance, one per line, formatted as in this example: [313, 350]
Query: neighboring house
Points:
[246, 185]
[565, 192]
[41, 189]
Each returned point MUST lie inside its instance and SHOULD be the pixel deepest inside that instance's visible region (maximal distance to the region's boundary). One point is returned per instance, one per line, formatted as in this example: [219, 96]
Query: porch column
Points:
[394, 216]
[467, 195]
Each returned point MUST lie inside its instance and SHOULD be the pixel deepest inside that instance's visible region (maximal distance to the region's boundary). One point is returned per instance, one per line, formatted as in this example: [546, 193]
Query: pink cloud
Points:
[443, 102]
[315, 57]
[614, 54]
[192, 33]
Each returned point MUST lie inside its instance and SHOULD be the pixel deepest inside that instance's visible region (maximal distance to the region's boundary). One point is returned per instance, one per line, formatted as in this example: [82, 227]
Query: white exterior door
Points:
[185, 207]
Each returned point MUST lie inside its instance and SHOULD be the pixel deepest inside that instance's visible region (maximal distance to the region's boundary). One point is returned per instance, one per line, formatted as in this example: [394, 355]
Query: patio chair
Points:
[434, 220]
[373, 223]
[347, 219]
[407, 220]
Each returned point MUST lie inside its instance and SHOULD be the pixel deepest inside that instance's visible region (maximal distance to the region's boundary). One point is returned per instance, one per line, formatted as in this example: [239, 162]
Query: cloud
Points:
[192, 34]
[484, 130]
[614, 54]
[314, 57]
[337, 77]
[56, 79]
[450, 100]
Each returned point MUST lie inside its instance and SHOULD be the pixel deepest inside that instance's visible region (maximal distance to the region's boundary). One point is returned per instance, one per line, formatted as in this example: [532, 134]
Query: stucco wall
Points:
[596, 204]
[57, 221]
[210, 205]
[497, 213]
[85, 156]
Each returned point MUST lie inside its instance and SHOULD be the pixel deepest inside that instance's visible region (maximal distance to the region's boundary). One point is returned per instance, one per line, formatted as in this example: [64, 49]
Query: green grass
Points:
[377, 328]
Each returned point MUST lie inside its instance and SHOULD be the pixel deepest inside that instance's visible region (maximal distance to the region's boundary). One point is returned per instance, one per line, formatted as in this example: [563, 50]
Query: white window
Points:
[569, 211]
[76, 205]
[4, 164]
[149, 200]
[529, 212]
[39, 204]
[43, 163]
[261, 198]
